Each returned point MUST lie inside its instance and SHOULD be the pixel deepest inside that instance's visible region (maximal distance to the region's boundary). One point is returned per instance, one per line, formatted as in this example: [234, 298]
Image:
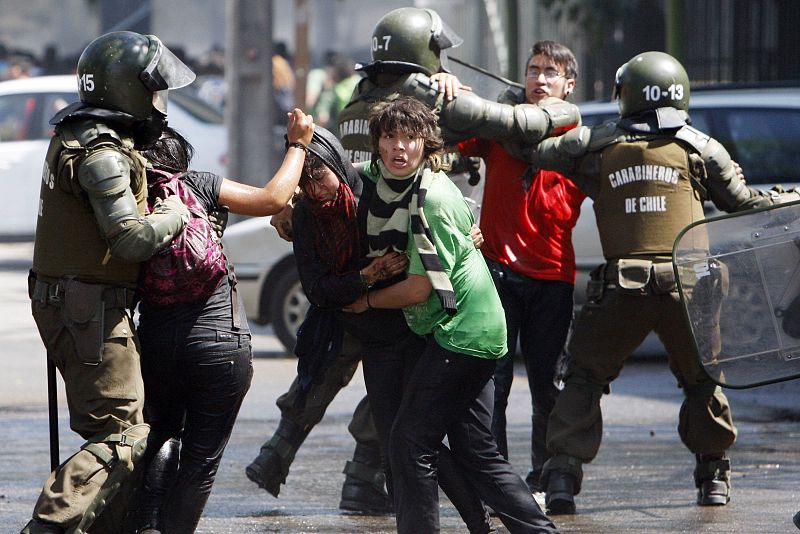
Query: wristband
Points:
[298, 144]
[369, 306]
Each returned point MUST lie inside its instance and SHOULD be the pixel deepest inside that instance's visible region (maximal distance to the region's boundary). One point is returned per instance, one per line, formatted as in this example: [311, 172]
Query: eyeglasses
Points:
[549, 74]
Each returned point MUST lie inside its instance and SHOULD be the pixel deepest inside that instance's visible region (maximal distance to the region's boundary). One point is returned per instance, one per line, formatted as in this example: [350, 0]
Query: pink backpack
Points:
[193, 265]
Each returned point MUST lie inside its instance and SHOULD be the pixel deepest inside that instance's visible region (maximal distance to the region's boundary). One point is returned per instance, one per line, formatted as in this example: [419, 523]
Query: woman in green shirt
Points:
[449, 298]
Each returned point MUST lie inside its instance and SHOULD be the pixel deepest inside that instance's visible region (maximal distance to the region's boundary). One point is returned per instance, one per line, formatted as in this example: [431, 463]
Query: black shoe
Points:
[712, 478]
[796, 520]
[713, 493]
[271, 467]
[265, 470]
[560, 497]
[364, 488]
[363, 498]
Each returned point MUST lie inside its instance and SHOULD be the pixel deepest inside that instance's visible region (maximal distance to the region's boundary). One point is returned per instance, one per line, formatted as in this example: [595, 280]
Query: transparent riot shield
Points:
[739, 280]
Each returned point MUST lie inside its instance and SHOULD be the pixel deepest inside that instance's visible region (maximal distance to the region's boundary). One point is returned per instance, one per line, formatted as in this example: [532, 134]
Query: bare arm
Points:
[268, 200]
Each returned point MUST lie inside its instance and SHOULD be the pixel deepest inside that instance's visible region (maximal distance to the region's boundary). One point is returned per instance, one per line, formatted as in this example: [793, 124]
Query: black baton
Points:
[52, 406]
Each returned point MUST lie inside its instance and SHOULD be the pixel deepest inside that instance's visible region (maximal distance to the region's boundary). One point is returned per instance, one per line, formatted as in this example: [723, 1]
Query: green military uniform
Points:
[92, 232]
[647, 174]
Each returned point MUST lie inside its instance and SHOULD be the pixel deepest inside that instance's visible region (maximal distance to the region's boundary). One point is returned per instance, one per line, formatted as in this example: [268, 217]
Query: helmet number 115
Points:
[654, 93]
[86, 82]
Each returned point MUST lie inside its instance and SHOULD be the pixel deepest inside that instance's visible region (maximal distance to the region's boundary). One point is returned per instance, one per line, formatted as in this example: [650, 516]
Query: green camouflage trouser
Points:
[104, 400]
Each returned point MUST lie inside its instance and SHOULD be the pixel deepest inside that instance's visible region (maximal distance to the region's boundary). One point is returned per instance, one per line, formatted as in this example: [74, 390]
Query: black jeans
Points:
[452, 395]
[538, 313]
[388, 361]
[195, 381]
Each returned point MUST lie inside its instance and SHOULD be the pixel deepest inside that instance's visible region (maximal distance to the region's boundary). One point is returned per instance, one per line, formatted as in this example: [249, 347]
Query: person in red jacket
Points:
[527, 219]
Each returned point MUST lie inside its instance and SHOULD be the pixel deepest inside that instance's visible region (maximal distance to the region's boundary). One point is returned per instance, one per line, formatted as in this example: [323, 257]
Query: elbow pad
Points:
[105, 176]
[527, 123]
[142, 238]
[476, 116]
[560, 152]
[725, 189]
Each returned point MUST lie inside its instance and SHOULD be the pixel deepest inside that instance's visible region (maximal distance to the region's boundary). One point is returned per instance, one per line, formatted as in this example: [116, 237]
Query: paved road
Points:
[641, 482]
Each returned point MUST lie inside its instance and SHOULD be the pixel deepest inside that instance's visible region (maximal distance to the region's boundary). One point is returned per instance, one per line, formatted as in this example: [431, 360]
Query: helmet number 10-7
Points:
[384, 46]
[654, 93]
[86, 82]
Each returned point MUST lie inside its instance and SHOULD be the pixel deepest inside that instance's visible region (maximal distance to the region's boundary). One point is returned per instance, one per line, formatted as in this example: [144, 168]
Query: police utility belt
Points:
[82, 310]
[636, 276]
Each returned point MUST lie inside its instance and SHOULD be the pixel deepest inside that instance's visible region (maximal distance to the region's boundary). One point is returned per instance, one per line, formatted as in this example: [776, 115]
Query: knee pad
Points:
[119, 452]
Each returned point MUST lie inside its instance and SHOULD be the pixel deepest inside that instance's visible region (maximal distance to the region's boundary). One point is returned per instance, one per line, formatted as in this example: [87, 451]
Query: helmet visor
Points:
[165, 70]
[160, 101]
[443, 35]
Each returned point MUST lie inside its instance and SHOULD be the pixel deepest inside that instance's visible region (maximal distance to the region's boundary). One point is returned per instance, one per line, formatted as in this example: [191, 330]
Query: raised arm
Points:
[268, 200]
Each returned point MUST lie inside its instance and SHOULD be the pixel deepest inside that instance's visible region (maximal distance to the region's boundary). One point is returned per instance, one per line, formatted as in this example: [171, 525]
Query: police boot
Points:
[712, 476]
[271, 467]
[561, 477]
[364, 488]
[37, 526]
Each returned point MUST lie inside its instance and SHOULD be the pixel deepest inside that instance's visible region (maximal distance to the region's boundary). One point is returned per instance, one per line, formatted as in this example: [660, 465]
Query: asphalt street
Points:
[641, 481]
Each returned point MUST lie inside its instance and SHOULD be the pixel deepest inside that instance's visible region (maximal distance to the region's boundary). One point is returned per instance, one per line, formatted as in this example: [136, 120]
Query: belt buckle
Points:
[53, 291]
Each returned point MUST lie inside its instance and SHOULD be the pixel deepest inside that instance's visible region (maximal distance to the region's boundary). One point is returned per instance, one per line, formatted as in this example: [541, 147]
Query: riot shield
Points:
[739, 281]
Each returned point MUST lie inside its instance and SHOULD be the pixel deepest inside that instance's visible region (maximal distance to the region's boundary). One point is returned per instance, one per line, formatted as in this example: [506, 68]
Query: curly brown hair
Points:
[406, 114]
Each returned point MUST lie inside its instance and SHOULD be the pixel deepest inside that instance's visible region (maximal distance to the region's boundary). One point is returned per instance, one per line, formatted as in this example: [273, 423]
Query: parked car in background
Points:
[760, 127]
[26, 107]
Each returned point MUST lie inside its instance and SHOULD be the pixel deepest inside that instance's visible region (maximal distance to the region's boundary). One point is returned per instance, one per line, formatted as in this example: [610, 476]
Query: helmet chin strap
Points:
[146, 132]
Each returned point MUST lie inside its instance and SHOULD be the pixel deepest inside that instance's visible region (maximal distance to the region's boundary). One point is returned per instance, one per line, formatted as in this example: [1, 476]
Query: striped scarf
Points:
[401, 199]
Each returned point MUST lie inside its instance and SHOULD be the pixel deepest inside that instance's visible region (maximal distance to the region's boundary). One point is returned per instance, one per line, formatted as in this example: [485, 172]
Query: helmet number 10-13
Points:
[654, 93]
[384, 46]
[86, 82]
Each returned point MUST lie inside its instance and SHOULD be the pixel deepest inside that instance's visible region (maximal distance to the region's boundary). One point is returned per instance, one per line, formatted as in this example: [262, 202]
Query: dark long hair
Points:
[171, 153]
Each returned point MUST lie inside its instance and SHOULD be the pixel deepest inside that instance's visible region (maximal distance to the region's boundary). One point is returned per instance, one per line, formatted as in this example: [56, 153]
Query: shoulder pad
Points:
[604, 135]
[105, 172]
[512, 95]
[86, 133]
[696, 139]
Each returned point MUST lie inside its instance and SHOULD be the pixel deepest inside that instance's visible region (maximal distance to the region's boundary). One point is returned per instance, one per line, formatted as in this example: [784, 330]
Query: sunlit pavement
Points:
[640, 482]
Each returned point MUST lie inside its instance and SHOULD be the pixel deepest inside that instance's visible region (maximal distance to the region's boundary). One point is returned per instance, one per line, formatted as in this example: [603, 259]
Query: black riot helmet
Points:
[130, 72]
[651, 80]
[410, 39]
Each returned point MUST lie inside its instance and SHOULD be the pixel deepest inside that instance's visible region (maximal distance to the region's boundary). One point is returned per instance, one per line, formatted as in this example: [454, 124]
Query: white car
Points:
[759, 127]
[26, 107]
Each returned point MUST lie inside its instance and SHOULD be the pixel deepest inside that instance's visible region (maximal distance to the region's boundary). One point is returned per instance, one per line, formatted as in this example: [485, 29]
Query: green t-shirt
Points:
[479, 327]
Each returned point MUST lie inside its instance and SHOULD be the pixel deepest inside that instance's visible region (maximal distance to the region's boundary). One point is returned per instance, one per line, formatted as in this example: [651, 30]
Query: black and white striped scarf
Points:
[398, 200]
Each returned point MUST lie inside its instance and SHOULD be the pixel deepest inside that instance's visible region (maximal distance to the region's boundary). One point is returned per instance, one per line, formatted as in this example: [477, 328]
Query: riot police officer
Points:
[648, 173]
[91, 235]
[408, 57]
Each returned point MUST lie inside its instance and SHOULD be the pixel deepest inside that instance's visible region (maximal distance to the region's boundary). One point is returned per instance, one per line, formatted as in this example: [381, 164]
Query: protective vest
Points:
[68, 240]
[354, 117]
[645, 197]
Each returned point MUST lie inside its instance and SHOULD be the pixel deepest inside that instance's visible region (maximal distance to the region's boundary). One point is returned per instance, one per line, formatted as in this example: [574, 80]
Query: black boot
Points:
[364, 488]
[560, 497]
[796, 520]
[712, 477]
[271, 467]
[158, 477]
[561, 477]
